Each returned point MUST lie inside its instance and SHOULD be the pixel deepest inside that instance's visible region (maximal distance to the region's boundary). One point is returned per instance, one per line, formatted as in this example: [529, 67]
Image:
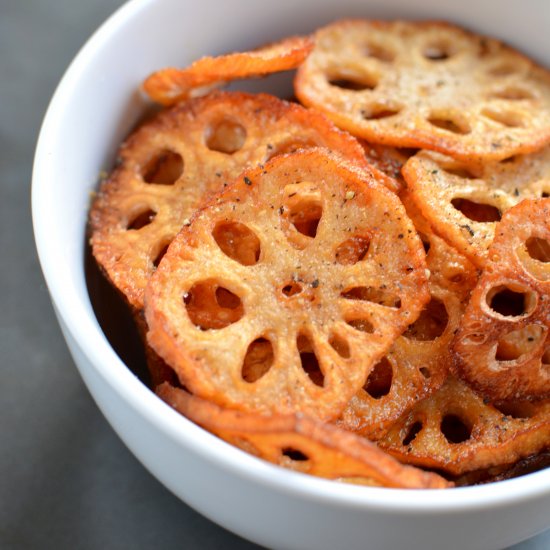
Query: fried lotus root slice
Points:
[415, 367]
[420, 359]
[171, 164]
[464, 203]
[503, 343]
[427, 85]
[302, 444]
[456, 431]
[293, 315]
[168, 86]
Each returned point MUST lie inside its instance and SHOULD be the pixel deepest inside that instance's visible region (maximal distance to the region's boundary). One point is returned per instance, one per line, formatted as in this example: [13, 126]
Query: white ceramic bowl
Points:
[93, 108]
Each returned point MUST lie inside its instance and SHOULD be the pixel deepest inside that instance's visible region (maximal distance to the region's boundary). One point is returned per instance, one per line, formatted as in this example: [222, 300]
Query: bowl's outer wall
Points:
[93, 109]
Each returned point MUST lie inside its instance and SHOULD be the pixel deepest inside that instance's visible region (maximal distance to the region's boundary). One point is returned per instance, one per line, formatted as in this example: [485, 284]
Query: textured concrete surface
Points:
[66, 480]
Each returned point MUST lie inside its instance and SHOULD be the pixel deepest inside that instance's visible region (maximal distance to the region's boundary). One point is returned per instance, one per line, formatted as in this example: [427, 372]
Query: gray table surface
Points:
[66, 479]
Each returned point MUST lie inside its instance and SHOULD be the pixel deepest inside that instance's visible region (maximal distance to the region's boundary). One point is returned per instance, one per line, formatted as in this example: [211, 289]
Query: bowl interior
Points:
[96, 105]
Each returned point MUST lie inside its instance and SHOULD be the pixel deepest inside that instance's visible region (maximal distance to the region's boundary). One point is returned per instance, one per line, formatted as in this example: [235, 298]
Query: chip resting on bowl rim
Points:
[286, 289]
[302, 444]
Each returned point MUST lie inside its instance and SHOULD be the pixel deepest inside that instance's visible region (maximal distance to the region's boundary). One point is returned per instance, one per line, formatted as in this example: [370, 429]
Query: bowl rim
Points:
[75, 310]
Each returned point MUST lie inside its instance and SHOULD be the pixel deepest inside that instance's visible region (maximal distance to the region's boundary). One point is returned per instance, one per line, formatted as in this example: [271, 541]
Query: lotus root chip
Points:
[169, 165]
[464, 203]
[420, 359]
[338, 274]
[170, 85]
[503, 342]
[456, 431]
[428, 85]
[302, 444]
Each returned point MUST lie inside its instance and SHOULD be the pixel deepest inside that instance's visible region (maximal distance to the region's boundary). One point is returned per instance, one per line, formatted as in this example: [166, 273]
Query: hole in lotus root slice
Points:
[477, 211]
[538, 249]
[340, 345]
[412, 431]
[516, 409]
[455, 86]
[381, 52]
[372, 294]
[309, 361]
[225, 136]
[294, 454]
[211, 306]
[300, 443]
[352, 82]
[237, 241]
[352, 250]
[362, 325]
[162, 248]
[518, 342]
[164, 168]
[291, 289]
[455, 429]
[453, 124]
[431, 323]
[141, 219]
[511, 301]
[258, 360]
[379, 111]
[512, 93]
[493, 439]
[303, 208]
[380, 379]
[308, 374]
[508, 118]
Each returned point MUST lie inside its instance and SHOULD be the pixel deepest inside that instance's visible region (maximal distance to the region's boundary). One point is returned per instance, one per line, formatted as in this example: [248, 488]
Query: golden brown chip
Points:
[302, 444]
[503, 342]
[427, 85]
[171, 164]
[418, 362]
[168, 86]
[287, 289]
[464, 203]
[455, 431]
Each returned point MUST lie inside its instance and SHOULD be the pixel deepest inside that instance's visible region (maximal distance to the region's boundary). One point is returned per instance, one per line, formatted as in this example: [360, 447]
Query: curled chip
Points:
[418, 362]
[464, 203]
[172, 163]
[456, 431]
[285, 290]
[302, 444]
[427, 85]
[503, 343]
[168, 86]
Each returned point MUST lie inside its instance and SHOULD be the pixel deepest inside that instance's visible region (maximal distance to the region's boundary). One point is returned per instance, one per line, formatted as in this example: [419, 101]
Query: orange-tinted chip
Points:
[504, 343]
[418, 362]
[168, 86]
[302, 444]
[427, 85]
[454, 430]
[464, 203]
[171, 164]
[287, 289]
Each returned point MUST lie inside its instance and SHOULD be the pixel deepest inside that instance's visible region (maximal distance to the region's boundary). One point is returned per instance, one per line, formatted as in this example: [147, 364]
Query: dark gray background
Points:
[66, 480]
